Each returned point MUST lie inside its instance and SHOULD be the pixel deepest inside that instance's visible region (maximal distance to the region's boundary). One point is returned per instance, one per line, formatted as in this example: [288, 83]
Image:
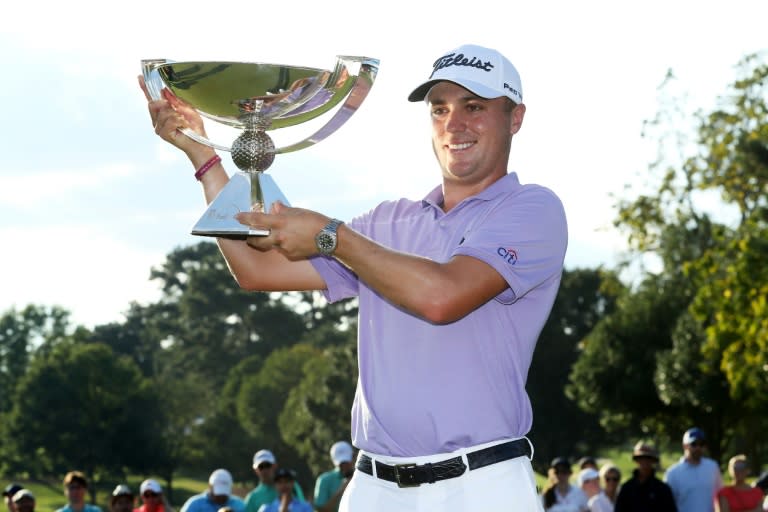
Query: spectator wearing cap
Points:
[559, 495]
[739, 496]
[75, 487]
[24, 501]
[286, 501]
[152, 497]
[329, 486]
[218, 495]
[265, 466]
[644, 492]
[121, 499]
[611, 476]
[695, 479]
[8, 493]
[589, 482]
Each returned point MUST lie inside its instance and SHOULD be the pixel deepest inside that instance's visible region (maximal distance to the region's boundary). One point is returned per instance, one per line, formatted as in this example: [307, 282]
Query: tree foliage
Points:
[317, 411]
[88, 404]
[692, 336]
[584, 297]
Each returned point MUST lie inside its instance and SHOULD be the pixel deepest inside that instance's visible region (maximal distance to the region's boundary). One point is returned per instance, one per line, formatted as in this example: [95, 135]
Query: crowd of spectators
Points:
[277, 490]
[693, 484]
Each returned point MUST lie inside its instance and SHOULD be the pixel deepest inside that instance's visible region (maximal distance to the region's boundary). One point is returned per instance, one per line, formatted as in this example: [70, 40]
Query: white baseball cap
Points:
[221, 482]
[585, 475]
[263, 456]
[693, 434]
[21, 494]
[151, 486]
[122, 490]
[481, 70]
[341, 452]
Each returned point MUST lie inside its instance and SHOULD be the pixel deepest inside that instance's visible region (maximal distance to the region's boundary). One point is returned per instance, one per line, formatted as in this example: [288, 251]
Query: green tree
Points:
[263, 396]
[219, 439]
[711, 282]
[211, 323]
[317, 411]
[584, 297]
[613, 376]
[82, 407]
[21, 333]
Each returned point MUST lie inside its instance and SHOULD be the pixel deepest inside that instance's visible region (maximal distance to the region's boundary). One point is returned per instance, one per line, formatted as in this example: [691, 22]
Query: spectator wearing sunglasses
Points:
[265, 466]
[695, 479]
[644, 492]
[611, 476]
[152, 498]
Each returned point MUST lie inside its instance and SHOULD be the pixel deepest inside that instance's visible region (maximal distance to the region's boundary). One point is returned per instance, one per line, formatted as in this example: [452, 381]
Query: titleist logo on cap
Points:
[453, 59]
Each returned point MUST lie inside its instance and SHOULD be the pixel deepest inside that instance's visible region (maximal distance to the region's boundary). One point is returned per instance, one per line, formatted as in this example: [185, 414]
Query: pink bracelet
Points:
[207, 166]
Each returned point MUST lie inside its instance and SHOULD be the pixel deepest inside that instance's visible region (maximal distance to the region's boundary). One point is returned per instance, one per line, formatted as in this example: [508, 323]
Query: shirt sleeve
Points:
[524, 238]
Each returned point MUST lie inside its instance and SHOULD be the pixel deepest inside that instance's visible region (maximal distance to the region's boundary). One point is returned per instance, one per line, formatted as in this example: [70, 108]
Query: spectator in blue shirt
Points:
[75, 487]
[286, 501]
[218, 495]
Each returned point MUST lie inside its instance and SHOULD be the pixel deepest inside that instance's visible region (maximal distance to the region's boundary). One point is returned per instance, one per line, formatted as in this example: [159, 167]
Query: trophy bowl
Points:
[254, 98]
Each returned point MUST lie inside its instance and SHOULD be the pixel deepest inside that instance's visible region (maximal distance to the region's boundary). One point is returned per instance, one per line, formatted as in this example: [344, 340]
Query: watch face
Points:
[326, 242]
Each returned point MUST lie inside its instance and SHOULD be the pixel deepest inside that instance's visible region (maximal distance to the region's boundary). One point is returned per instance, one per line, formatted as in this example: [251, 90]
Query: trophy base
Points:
[245, 192]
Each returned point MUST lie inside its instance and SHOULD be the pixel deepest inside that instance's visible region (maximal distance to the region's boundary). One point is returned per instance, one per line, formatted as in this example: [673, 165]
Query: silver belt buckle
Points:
[397, 475]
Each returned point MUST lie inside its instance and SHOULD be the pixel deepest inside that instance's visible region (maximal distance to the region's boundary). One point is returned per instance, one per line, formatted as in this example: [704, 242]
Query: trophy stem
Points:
[257, 193]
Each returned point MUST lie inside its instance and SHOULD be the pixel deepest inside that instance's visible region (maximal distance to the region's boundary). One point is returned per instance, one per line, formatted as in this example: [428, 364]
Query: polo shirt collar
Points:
[504, 185]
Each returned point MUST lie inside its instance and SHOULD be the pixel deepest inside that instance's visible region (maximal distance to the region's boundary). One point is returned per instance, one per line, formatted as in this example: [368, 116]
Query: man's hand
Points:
[285, 501]
[292, 230]
[169, 116]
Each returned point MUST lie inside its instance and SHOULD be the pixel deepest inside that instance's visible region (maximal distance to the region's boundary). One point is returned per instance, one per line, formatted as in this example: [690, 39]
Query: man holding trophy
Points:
[453, 292]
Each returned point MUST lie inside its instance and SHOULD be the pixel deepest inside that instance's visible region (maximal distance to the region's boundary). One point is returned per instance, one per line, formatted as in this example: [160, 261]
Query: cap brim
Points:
[420, 93]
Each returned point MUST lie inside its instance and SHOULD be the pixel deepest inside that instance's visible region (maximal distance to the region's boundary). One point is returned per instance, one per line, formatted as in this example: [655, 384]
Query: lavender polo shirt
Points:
[424, 388]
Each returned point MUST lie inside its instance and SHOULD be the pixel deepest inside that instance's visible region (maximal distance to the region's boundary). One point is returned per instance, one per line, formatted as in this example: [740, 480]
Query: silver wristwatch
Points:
[326, 239]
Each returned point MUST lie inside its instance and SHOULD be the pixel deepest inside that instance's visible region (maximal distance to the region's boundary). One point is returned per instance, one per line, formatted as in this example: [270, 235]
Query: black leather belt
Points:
[413, 475]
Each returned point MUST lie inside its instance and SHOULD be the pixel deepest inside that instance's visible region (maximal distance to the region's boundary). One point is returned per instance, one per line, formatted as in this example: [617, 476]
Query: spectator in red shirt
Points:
[739, 496]
[152, 497]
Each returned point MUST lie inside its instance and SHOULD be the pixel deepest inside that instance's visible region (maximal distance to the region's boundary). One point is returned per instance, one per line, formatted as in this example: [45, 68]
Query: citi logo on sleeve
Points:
[453, 59]
[509, 255]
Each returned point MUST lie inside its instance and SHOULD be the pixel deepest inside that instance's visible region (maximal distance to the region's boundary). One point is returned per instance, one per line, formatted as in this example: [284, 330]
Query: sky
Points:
[91, 199]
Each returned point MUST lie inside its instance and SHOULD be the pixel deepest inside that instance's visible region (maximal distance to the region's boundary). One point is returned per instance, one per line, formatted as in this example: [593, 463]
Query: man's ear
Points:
[516, 118]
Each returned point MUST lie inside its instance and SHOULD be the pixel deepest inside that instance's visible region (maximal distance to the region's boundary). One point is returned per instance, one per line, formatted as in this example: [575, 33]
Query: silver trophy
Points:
[254, 98]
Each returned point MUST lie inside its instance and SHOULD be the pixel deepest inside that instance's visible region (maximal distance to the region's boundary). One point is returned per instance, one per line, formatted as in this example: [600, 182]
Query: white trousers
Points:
[507, 485]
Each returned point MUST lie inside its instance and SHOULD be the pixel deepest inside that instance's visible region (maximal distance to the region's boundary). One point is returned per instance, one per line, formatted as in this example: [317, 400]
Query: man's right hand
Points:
[169, 116]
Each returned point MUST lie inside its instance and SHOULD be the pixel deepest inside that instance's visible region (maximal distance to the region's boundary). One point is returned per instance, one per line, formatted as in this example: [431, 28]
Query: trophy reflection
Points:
[255, 98]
